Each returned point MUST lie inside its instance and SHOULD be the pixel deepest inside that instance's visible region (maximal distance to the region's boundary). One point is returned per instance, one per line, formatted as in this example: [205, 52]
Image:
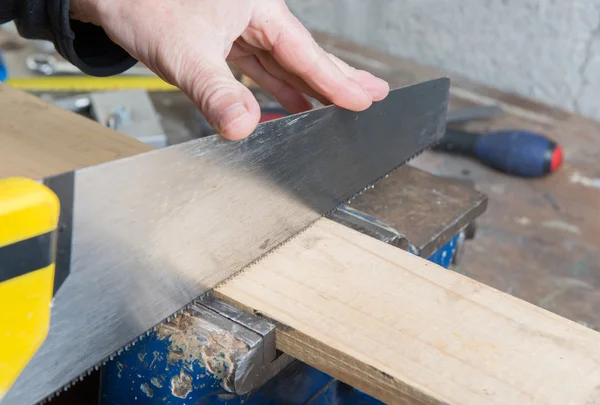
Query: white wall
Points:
[544, 49]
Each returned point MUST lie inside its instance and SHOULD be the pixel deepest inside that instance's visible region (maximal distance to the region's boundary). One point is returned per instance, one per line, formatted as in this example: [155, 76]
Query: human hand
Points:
[188, 43]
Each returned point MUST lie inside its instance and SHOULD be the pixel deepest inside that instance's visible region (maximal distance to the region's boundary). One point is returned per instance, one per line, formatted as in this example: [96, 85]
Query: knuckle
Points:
[211, 90]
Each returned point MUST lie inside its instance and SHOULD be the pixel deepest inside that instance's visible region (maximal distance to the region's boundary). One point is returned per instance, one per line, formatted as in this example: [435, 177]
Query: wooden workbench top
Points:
[539, 239]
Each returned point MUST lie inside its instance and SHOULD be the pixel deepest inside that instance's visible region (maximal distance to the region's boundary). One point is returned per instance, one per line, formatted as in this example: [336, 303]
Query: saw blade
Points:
[153, 232]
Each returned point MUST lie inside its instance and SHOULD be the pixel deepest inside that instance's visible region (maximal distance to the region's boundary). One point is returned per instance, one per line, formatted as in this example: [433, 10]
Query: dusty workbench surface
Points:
[539, 239]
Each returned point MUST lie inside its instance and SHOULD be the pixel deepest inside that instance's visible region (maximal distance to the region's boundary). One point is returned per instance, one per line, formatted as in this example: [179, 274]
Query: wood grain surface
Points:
[38, 139]
[410, 332]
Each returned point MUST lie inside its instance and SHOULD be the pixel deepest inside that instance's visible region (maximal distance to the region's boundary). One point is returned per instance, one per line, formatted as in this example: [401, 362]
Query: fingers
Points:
[377, 88]
[275, 69]
[289, 97]
[295, 49]
[226, 104]
[241, 48]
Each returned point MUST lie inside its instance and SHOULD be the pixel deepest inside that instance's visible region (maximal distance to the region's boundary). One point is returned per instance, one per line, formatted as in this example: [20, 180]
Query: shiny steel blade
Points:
[155, 231]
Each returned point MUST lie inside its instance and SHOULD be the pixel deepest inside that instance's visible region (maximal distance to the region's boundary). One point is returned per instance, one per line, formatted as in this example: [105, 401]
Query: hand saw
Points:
[146, 235]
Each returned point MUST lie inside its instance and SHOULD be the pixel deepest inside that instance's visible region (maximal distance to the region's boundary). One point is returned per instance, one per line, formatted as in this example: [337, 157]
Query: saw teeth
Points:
[340, 202]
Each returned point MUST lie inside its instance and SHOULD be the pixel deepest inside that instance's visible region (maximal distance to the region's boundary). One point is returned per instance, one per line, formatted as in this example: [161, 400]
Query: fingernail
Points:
[363, 88]
[367, 92]
[378, 89]
[232, 114]
[379, 84]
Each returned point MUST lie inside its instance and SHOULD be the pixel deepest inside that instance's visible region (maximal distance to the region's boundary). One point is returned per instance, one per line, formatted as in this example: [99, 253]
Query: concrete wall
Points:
[543, 49]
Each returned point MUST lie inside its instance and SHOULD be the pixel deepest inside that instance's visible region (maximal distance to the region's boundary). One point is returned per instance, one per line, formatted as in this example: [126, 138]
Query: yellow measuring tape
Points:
[90, 83]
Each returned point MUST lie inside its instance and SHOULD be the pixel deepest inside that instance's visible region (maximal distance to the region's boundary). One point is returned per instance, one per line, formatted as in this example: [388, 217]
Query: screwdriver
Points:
[516, 152]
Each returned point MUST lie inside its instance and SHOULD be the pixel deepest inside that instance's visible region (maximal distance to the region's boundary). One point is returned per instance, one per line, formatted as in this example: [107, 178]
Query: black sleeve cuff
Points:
[92, 51]
[84, 45]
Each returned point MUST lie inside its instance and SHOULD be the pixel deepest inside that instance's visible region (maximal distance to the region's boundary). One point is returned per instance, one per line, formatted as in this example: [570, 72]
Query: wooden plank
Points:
[408, 331]
[380, 319]
[38, 139]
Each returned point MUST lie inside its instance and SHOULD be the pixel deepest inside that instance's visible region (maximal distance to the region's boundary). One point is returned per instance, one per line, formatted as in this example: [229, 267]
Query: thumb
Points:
[228, 105]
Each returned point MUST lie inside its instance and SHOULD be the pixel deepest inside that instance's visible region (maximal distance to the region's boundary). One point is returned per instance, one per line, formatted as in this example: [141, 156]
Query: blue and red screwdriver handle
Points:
[516, 152]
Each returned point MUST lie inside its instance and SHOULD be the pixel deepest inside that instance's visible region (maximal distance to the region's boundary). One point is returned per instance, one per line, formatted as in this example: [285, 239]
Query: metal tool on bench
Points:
[130, 112]
[516, 152]
[48, 65]
[130, 248]
[474, 113]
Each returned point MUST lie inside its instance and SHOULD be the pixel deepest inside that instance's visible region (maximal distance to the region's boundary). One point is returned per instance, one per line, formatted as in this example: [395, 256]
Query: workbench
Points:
[526, 219]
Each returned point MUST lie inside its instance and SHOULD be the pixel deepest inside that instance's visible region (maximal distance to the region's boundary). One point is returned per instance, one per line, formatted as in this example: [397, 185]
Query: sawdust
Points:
[578, 178]
[220, 354]
[562, 226]
[145, 388]
[193, 340]
[156, 382]
[120, 368]
[181, 385]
